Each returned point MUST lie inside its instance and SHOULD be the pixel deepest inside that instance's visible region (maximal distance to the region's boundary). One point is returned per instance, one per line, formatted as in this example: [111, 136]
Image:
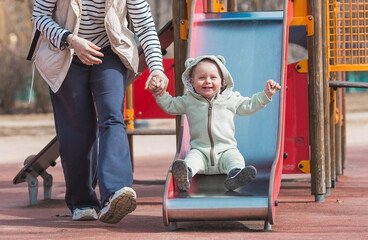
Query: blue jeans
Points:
[89, 121]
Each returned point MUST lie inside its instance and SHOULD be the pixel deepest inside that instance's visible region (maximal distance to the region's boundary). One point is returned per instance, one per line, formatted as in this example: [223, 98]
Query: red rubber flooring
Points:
[342, 215]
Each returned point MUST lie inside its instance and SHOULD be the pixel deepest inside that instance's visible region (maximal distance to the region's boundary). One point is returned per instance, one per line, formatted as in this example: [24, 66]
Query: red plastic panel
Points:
[280, 162]
[145, 106]
[296, 121]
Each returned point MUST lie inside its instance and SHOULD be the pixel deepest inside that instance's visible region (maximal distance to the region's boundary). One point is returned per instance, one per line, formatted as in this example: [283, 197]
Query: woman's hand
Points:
[86, 51]
[271, 88]
[157, 82]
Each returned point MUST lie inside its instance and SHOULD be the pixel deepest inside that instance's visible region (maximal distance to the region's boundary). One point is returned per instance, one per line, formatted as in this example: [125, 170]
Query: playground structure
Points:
[310, 125]
[336, 37]
[314, 131]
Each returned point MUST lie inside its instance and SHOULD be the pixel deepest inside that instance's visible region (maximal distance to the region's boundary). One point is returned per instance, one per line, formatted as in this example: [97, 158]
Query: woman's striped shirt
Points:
[92, 26]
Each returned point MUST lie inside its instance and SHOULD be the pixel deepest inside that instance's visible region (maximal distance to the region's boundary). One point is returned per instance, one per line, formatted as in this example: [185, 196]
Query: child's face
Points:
[206, 79]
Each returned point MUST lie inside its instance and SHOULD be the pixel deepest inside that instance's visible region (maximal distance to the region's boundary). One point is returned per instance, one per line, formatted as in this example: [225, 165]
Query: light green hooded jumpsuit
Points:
[211, 122]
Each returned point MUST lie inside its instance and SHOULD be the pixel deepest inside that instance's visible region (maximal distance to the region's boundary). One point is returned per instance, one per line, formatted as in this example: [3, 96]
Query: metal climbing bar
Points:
[346, 84]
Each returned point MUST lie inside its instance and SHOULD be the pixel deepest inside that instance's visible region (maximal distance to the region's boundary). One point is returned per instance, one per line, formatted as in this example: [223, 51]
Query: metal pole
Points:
[332, 132]
[345, 84]
[343, 127]
[179, 12]
[326, 99]
[338, 130]
[316, 113]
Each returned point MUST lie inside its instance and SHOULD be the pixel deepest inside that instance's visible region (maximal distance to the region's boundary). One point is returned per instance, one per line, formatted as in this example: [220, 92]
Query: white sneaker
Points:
[120, 204]
[84, 214]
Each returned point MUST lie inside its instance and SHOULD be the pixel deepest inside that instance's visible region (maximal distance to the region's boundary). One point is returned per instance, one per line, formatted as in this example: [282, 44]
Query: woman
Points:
[88, 56]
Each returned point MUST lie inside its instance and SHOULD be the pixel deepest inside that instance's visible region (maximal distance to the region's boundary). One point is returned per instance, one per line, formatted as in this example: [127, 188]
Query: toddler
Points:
[210, 105]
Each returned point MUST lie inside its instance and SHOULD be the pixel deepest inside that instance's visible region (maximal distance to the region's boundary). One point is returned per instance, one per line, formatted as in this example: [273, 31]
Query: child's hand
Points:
[157, 82]
[271, 88]
[152, 85]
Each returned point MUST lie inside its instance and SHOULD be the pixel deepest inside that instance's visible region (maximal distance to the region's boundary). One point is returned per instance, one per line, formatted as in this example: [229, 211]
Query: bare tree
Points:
[15, 71]
[12, 79]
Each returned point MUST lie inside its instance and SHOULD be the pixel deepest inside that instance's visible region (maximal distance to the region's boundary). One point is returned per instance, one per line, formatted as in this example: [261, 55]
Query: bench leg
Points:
[267, 226]
[32, 189]
[47, 185]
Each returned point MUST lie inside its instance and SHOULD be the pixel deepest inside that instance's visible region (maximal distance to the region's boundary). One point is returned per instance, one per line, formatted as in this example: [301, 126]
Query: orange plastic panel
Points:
[347, 31]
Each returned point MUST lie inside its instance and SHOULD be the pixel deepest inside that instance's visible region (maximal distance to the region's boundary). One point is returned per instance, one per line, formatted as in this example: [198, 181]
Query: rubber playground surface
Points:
[342, 215]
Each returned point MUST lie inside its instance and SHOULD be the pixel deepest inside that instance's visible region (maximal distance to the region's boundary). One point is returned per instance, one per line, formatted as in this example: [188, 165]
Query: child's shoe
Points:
[120, 204]
[240, 177]
[182, 175]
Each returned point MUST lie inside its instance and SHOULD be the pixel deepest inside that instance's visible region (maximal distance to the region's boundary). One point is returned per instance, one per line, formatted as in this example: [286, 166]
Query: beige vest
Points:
[53, 64]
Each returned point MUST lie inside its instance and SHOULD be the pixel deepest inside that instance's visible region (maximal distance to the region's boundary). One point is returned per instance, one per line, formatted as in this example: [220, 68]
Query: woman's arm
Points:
[41, 19]
[144, 26]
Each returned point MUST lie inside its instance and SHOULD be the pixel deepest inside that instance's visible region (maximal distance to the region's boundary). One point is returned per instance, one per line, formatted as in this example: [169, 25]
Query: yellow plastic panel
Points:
[304, 166]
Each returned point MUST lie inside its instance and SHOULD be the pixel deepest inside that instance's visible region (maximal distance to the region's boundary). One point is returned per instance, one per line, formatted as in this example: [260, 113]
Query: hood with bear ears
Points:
[219, 60]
